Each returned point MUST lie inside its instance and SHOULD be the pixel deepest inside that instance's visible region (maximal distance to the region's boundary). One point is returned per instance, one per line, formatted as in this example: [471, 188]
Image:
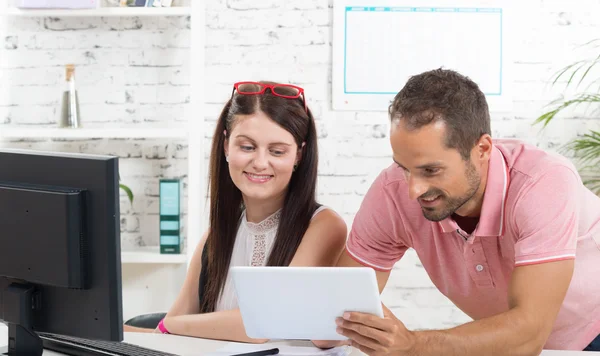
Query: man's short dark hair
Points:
[447, 96]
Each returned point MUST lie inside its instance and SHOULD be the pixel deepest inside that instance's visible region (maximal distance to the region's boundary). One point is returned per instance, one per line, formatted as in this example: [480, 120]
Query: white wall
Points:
[129, 73]
[287, 41]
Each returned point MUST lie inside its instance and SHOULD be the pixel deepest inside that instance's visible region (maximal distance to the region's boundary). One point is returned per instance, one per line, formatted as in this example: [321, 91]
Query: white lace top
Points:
[253, 244]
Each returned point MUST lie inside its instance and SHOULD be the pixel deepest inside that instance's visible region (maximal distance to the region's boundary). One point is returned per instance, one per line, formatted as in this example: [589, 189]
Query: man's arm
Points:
[536, 294]
[346, 260]
[535, 297]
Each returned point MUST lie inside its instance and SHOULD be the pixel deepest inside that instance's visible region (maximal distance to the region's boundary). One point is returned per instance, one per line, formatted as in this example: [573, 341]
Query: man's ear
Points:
[484, 147]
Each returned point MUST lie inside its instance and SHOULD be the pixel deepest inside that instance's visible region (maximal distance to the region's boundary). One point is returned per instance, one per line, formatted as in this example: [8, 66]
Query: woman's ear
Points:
[226, 145]
[299, 153]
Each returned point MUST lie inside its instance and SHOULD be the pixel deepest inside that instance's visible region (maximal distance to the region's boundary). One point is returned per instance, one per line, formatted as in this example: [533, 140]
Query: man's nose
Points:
[416, 187]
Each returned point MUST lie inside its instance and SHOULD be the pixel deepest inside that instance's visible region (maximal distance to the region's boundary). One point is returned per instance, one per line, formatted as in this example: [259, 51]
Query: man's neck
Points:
[472, 208]
[467, 224]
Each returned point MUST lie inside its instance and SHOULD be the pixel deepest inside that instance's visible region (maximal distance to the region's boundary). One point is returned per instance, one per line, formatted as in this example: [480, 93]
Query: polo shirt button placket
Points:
[475, 257]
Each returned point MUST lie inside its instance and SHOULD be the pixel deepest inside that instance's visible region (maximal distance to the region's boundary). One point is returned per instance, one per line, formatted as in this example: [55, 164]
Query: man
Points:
[506, 231]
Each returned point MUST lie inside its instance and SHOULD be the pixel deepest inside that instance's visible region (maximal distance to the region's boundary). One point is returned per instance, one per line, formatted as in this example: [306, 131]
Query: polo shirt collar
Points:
[491, 220]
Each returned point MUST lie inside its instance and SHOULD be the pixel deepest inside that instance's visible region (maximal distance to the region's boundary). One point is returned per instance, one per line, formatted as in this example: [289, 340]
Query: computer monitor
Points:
[60, 260]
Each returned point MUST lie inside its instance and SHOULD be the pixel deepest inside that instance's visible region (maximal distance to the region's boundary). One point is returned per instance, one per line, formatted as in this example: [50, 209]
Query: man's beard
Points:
[452, 204]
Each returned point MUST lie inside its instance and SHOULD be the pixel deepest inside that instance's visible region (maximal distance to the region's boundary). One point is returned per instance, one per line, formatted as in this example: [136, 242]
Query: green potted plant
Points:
[585, 149]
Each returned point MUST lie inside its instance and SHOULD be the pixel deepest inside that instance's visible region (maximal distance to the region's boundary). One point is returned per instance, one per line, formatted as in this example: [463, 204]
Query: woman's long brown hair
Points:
[226, 205]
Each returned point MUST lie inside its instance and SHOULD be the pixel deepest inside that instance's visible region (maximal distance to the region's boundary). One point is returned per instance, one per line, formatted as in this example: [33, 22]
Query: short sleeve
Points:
[546, 217]
[374, 237]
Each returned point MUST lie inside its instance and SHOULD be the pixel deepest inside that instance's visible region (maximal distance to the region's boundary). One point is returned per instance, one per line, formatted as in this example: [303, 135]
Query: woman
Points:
[263, 211]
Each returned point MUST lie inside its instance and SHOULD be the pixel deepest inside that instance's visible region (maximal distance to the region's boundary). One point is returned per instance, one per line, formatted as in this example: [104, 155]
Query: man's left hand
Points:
[374, 335]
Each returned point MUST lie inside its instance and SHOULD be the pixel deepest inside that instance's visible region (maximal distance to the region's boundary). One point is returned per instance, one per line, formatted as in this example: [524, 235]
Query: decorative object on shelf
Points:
[145, 3]
[585, 148]
[103, 11]
[136, 2]
[169, 212]
[58, 4]
[70, 101]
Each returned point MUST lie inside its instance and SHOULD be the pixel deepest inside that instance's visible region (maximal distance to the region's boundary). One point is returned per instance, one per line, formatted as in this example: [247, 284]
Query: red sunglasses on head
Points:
[283, 90]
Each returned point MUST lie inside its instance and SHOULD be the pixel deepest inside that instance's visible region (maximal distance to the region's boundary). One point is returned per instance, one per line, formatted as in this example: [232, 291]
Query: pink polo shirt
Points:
[535, 210]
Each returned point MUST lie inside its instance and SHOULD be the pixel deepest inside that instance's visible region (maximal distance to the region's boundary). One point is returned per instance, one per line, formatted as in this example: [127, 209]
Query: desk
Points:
[187, 346]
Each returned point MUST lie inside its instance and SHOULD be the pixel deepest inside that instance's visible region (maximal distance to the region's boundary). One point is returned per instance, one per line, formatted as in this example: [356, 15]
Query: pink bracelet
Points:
[162, 328]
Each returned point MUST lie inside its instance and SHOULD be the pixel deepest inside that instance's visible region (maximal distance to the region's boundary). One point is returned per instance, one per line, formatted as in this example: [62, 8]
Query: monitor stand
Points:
[20, 301]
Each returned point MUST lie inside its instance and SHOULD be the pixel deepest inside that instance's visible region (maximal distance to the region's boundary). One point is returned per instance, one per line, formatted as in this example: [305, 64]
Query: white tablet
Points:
[302, 303]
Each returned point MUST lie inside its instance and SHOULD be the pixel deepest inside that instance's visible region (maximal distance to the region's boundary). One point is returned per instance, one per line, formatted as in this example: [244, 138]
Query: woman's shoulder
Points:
[324, 210]
[324, 239]
[320, 209]
[326, 217]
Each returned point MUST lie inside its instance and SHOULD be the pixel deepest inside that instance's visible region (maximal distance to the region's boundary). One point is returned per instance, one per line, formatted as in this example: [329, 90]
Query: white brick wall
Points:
[136, 71]
[130, 72]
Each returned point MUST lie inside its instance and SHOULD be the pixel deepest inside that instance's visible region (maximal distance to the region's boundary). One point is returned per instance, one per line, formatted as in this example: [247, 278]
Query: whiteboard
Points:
[379, 44]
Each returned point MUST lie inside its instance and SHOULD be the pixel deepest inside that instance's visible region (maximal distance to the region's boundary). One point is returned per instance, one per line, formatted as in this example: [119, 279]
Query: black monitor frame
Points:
[63, 275]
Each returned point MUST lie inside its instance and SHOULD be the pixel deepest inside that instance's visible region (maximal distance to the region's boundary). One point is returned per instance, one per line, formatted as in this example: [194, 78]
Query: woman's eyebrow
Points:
[244, 136]
[270, 143]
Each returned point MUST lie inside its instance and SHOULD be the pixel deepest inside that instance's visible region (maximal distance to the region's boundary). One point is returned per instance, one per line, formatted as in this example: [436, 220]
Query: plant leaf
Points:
[593, 184]
[586, 151]
[586, 148]
[594, 62]
[583, 63]
[127, 191]
[564, 104]
[561, 72]
[593, 83]
[589, 43]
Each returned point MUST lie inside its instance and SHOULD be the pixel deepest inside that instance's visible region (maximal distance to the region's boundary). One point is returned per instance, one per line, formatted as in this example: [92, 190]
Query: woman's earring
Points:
[295, 167]
[227, 159]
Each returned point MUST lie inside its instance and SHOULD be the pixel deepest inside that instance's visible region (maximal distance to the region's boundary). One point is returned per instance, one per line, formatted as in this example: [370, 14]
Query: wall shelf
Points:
[33, 132]
[151, 255]
[100, 12]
